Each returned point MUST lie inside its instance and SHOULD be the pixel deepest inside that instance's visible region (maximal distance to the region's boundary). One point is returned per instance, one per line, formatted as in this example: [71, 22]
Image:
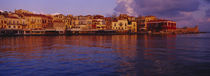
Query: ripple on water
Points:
[117, 55]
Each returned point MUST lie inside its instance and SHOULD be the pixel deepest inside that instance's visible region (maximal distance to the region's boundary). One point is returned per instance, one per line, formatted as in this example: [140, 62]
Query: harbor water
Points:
[106, 55]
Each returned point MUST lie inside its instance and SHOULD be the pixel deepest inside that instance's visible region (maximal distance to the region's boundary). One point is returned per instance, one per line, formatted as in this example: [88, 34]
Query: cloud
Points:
[208, 13]
[55, 13]
[185, 12]
[165, 7]
[208, 20]
[207, 1]
[125, 6]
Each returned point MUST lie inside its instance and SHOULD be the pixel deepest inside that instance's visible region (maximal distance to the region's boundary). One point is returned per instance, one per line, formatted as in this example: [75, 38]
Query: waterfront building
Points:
[123, 25]
[69, 21]
[188, 30]
[11, 24]
[132, 27]
[58, 17]
[108, 23]
[37, 24]
[59, 23]
[98, 22]
[120, 25]
[47, 22]
[122, 16]
[161, 26]
[142, 23]
[59, 26]
[34, 21]
[14, 22]
[2, 22]
[83, 22]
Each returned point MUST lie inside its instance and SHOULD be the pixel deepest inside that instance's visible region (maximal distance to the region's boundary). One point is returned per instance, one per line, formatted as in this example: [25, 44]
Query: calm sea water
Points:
[112, 55]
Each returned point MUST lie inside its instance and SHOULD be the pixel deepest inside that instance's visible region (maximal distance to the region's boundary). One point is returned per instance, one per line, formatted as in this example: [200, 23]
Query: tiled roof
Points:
[159, 20]
[37, 15]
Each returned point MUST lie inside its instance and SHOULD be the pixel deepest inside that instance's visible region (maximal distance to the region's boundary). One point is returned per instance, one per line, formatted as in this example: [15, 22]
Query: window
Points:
[10, 22]
[121, 24]
[13, 22]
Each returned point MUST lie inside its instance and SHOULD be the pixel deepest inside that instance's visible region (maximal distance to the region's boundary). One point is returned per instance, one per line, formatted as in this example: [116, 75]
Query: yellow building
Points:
[82, 23]
[47, 22]
[120, 25]
[124, 25]
[34, 21]
[142, 22]
[68, 21]
[14, 22]
[132, 27]
[2, 22]
[99, 22]
[59, 23]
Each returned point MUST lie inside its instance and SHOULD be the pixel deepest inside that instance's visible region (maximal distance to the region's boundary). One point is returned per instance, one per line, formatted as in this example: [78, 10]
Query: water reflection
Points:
[124, 55]
[157, 54]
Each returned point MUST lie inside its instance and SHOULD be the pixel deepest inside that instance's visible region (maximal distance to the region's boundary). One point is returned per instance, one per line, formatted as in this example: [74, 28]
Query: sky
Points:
[184, 12]
[75, 7]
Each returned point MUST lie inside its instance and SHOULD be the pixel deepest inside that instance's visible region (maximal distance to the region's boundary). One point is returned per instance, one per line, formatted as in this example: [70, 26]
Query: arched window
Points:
[121, 24]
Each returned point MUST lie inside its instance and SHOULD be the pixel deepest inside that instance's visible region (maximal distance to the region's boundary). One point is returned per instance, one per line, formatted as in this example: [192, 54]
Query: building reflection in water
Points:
[157, 54]
[126, 55]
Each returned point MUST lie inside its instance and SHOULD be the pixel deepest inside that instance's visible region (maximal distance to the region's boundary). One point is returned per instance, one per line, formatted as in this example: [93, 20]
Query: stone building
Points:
[142, 22]
[83, 23]
[14, 22]
[69, 21]
[59, 23]
[188, 30]
[98, 22]
[2, 22]
[124, 25]
[161, 26]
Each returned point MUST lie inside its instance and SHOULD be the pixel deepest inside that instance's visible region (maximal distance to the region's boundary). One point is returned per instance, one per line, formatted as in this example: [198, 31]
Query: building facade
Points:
[161, 26]
[142, 22]
[14, 22]
[59, 23]
[32, 23]
[98, 22]
[2, 22]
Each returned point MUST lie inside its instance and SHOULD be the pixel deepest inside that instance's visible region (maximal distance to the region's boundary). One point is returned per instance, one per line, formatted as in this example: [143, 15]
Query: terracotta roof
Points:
[159, 20]
[98, 17]
[37, 15]
[13, 17]
[115, 20]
